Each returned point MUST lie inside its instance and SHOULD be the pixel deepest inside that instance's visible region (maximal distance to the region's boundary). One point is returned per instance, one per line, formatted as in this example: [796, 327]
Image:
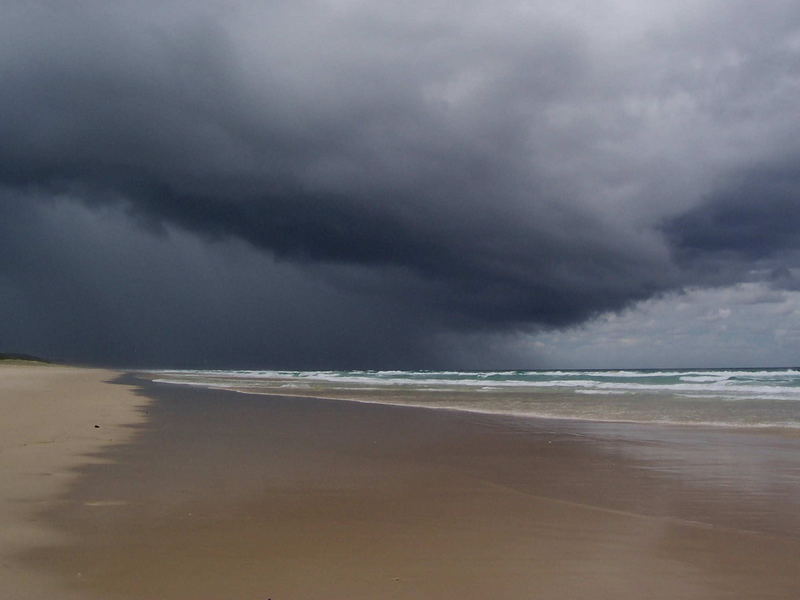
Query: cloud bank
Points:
[504, 167]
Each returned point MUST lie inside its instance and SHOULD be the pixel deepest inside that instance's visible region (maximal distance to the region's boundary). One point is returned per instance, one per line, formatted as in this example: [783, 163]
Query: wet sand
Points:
[222, 495]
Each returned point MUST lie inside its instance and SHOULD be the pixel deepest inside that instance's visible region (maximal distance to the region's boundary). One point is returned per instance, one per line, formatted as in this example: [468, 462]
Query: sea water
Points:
[742, 398]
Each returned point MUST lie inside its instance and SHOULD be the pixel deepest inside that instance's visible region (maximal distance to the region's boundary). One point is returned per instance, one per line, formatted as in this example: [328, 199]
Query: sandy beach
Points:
[219, 495]
[54, 420]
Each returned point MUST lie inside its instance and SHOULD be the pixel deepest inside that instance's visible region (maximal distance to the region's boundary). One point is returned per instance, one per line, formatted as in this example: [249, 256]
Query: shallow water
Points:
[743, 398]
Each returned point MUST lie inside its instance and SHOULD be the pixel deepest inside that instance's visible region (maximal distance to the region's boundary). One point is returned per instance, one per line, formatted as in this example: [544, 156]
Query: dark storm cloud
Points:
[77, 284]
[746, 230]
[507, 165]
[755, 217]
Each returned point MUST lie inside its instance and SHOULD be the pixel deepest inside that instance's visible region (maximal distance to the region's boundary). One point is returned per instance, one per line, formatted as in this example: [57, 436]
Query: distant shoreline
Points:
[19, 358]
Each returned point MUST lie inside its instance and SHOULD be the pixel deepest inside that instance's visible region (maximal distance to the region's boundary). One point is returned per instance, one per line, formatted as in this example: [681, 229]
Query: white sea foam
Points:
[724, 397]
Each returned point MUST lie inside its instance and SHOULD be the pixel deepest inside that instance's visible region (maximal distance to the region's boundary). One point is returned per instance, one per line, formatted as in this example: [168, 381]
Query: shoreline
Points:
[226, 495]
[699, 425]
[545, 396]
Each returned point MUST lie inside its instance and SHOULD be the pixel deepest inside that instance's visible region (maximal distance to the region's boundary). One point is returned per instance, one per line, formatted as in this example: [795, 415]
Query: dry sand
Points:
[47, 430]
[225, 496]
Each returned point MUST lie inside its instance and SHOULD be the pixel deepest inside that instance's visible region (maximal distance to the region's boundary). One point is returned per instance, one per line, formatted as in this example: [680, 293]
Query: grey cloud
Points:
[79, 285]
[756, 217]
[749, 226]
[502, 167]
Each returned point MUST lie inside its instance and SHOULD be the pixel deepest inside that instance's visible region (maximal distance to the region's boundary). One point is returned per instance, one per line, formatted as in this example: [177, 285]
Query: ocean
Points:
[739, 398]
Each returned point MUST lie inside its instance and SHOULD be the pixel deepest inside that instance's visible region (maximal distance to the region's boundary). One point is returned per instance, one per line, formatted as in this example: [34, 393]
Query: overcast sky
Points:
[331, 184]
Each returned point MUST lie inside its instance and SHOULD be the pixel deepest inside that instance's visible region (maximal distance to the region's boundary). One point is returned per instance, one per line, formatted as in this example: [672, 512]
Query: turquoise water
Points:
[722, 397]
